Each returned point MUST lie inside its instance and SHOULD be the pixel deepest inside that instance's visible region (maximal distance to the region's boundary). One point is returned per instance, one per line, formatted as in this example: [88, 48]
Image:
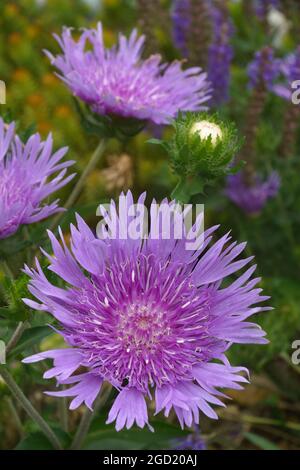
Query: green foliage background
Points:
[38, 100]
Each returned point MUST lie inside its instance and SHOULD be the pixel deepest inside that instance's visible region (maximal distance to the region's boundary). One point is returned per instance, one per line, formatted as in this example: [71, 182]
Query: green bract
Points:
[108, 126]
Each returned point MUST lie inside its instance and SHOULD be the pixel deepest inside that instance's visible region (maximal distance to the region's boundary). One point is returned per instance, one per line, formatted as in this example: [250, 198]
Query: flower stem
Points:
[30, 410]
[15, 416]
[16, 335]
[6, 269]
[80, 183]
[87, 419]
[63, 413]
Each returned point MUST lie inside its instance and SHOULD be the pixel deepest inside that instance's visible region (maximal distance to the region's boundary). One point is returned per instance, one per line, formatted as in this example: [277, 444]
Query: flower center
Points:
[142, 326]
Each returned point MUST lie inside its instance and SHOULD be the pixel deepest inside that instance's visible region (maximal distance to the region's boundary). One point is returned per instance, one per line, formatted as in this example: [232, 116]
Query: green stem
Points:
[30, 410]
[15, 416]
[87, 419]
[16, 335]
[6, 269]
[80, 183]
[63, 413]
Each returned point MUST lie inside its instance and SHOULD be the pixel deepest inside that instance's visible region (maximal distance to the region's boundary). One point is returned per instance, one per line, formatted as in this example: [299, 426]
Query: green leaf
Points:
[31, 337]
[260, 441]
[114, 444]
[36, 441]
[155, 141]
[103, 436]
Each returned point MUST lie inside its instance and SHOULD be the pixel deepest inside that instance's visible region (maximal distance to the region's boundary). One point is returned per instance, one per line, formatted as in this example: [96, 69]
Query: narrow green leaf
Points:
[260, 441]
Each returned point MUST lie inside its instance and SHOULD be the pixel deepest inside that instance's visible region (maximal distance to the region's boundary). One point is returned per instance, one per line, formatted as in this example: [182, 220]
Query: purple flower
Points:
[253, 198]
[263, 6]
[118, 82]
[24, 170]
[220, 56]
[147, 315]
[263, 68]
[290, 72]
[220, 52]
[181, 22]
[192, 441]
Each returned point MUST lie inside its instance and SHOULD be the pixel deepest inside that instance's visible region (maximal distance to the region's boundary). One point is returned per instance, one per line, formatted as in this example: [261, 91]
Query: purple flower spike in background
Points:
[118, 82]
[264, 68]
[252, 198]
[220, 56]
[24, 169]
[290, 72]
[148, 315]
[181, 23]
[192, 441]
[262, 7]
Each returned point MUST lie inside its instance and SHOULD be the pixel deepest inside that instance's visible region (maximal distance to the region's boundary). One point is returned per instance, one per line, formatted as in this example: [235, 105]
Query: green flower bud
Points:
[203, 145]
[201, 150]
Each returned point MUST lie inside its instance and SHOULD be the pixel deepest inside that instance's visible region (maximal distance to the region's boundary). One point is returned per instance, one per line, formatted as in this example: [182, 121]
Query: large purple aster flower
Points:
[147, 315]
[117, 82]
[252, 198]
[24, 171]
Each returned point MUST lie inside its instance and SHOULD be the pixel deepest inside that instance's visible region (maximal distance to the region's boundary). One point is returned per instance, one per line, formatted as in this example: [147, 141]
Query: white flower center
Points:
[207, 129]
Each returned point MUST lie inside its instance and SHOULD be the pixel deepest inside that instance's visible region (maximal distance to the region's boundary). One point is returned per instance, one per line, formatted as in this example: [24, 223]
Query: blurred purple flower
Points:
[290, 72]
[263, 6]
[147, 315]
[263, 67]
[252, 199]
[181, 22]
[220, 51]
[117, 82]
[220, 56]
[192, 441]
[24, 169]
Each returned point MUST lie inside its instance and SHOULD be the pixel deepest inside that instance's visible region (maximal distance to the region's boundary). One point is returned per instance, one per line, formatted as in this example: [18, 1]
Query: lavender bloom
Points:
[192, 441]
[181, 22]
[290, 72]
[117, 82]
[147, 315]
[24, 169]
[253, 198]
[220, 56]
[264, 67]
[263, 6]
[220, 50]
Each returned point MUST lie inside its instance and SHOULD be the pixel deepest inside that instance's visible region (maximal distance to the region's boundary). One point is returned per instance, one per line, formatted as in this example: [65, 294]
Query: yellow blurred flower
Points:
[32, 31]
[11, 10]
[63, 111]
[14, 38]
[20, 75]
[49, 79]
[35, 99]
[44, 127]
